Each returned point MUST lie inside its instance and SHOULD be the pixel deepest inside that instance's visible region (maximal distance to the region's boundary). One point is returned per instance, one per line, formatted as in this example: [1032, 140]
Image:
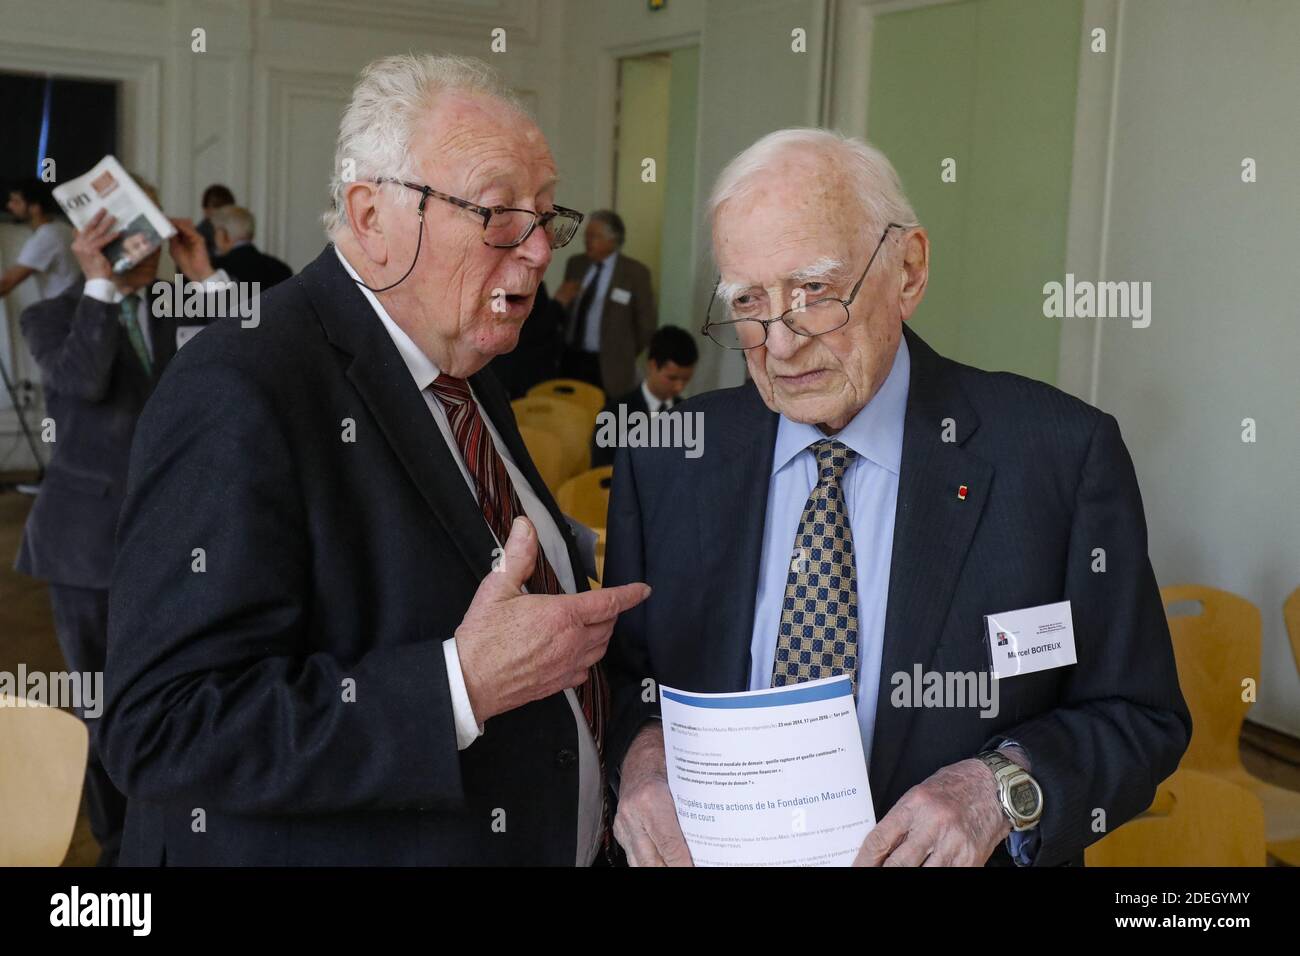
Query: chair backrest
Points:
[573, 390]
[585, 497]
[547, 454]
[568, 422]
[42, 767]
[1197, 819]
[1217, 649]
[1291, 614]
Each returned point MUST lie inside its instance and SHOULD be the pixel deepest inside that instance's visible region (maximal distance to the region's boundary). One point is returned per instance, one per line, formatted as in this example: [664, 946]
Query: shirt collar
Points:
[875, 432]
[610, 260]
[421, 367]
[651, 402]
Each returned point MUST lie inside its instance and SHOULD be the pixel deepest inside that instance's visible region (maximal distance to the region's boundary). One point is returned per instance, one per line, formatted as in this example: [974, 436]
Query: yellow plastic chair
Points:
[585, 497]
[571, 390]
[567, 422]
[42, 766]
[1197, 819]
[1216, 650]
[546, 453]
[1291, 614]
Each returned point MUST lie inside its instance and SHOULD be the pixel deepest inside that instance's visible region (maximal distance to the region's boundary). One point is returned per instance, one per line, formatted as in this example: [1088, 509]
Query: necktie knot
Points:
[833, 458]
[450, 390]
[128, 309]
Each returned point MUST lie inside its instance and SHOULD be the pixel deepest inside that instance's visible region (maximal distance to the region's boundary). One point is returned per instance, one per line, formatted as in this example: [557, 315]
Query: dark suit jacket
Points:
[625, 328]
[1048, 481]
[247, 263]
[332, 568]
[95, 388]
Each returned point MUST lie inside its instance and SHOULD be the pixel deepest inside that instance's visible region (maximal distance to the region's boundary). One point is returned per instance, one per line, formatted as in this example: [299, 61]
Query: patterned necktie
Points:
[500, 505]
[128, 315]
[819, 616]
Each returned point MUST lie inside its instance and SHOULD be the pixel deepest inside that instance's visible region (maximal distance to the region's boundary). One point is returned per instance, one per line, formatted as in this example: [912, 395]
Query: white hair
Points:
[874, 183]
[237, 222]
[390, 96]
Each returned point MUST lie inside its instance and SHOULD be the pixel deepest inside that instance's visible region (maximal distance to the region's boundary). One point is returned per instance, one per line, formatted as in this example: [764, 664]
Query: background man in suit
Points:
[233, 228]
[670, 363]
[100, 350]
[951, 493]
[343, 679]
[612, 308]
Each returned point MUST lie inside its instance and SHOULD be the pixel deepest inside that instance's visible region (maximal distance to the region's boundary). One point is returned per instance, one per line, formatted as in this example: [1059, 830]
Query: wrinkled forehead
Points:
[797, 211]
[475, 144]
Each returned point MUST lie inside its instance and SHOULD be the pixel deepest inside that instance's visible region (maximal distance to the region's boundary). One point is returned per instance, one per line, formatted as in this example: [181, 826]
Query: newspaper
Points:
[109, 186]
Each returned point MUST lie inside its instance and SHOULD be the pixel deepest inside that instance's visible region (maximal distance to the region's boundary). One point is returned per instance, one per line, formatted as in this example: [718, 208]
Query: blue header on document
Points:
[776, 697]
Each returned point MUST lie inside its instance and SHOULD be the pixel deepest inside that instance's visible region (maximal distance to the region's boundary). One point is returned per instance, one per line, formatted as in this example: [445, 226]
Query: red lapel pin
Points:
[961, 493]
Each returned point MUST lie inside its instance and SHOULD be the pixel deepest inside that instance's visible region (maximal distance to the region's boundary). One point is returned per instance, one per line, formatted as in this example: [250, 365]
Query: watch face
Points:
[1024, 798]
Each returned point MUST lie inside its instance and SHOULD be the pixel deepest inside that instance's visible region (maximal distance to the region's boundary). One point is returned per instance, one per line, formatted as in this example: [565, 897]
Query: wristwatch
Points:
[1018, 792]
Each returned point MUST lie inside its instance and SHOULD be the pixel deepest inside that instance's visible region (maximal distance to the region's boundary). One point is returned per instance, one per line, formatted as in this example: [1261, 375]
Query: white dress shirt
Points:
[591, 337]
[468, 729]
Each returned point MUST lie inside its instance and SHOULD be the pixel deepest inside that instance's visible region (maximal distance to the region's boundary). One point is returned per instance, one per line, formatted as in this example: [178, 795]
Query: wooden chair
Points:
[546, 453]
[1197, 819]
[1216, 650]
[571, 390]
[569, 424]
[585, 497]
[42, 767]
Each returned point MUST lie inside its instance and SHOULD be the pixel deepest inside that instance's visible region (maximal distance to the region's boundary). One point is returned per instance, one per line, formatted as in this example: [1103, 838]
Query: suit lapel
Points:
[933, 529]
[731, 514]
[384, 383]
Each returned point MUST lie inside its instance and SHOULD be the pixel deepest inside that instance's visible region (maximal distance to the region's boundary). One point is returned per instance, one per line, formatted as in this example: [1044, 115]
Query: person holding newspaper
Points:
[101, 351]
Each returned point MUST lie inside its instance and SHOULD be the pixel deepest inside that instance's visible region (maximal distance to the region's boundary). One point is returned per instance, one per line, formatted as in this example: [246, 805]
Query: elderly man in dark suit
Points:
[348, 620]
[611, 308]
[863, 504]
[101, 350]
[233, 229]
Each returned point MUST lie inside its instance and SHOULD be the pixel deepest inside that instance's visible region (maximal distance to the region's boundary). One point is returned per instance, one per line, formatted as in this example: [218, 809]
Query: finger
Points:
[640, 849]
[671, 842]
[592, 607]
[101, 241]
[886, 835]
[912, 850]
[516, 563]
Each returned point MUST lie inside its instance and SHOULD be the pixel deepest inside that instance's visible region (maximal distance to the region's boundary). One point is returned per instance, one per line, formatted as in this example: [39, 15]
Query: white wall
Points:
[1187, 90]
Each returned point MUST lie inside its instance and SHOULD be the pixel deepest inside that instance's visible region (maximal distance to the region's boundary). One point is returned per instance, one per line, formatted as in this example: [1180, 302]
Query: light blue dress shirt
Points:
[871, 493]
[591, 339]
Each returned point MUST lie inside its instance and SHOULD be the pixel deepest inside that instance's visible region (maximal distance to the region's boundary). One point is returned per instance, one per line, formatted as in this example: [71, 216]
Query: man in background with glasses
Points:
[861, 505]
[349, 624]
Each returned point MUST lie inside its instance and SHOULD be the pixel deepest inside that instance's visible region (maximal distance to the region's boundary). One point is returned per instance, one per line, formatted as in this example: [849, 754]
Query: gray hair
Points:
[237, 222]
[612, 222]
[390, 96]
[875, 183]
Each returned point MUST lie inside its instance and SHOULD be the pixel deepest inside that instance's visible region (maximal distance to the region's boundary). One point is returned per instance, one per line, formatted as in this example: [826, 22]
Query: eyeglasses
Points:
[809, 319]
[505, 227]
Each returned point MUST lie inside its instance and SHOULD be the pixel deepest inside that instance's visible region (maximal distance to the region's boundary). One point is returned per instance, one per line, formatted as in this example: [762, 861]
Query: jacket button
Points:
[565, 758]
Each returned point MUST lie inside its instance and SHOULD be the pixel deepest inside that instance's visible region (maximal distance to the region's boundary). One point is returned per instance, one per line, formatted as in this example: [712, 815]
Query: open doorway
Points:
[655, 136]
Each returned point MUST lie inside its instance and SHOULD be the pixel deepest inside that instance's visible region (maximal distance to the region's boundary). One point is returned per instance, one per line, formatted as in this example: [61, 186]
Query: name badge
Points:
[621, 296]
[1030, 639]
[186, 332]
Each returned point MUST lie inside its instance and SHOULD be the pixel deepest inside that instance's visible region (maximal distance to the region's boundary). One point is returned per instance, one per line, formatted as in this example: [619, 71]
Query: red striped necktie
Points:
[500, 505]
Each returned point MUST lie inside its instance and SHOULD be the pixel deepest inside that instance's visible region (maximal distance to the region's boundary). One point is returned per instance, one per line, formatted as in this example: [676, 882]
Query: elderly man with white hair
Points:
[862, 505]
[346, 625]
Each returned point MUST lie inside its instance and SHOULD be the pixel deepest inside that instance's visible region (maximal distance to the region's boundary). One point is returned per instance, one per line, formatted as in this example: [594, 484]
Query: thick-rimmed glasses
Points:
[808, 319]
[505, 227]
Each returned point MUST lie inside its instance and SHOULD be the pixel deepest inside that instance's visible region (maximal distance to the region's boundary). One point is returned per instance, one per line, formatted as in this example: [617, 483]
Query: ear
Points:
[914, 271]
[362, 202]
